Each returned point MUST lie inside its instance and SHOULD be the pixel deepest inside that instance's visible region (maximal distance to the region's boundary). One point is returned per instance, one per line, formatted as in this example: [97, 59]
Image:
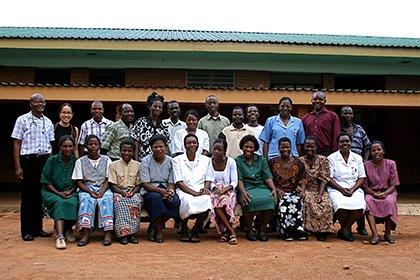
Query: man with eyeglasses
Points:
[32, 136]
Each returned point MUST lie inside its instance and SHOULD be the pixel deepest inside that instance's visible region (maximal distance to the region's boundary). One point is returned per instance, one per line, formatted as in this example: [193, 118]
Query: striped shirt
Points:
[92, 127]
[35, 133]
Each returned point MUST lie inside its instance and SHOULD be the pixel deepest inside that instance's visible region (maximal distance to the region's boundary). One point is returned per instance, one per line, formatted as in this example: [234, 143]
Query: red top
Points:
[325, 126]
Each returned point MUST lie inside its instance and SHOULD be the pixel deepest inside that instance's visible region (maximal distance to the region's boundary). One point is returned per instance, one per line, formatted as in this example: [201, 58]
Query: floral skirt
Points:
[127, 214]
[291, 213]
[318, 216]
[226, 201]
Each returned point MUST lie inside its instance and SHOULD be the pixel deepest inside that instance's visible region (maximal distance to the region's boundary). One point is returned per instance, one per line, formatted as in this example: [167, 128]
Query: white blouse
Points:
[192, 173]
[177, 144]
[346, 174]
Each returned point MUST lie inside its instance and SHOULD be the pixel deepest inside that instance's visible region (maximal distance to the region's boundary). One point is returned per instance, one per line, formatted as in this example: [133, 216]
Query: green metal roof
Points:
[204, 36]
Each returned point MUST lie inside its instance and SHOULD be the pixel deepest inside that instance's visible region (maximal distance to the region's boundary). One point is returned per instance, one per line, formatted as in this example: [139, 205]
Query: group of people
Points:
[296, 176]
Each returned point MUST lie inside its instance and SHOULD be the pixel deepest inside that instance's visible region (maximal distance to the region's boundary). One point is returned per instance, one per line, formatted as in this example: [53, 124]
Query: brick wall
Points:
[155, 77]
[17, 74]
[252, 79]
[402, 82]
[328, 81]
[79, 76]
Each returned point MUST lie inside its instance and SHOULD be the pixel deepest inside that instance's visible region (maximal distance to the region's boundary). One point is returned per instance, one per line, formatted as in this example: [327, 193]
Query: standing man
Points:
[173, 122]
[359, 144]
[213, 123]
[323, 124]
[117, 131]
[282, 125]
[95, 126]
[252, 114]
[32, 136]
[234, 133]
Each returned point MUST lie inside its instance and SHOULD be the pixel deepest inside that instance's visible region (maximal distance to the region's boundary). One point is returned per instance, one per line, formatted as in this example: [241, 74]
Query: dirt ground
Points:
[334, 259]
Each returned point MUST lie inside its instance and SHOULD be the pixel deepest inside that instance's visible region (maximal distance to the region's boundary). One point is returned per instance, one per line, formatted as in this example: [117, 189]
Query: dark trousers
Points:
[31, 200]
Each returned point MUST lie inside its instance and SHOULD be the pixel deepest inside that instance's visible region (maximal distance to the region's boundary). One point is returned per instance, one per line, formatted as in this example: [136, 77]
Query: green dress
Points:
[253, 176]
[58, 174]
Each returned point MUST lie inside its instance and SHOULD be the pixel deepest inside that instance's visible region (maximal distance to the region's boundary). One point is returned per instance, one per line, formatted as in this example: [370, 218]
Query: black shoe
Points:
[132, 239]
[124, 240]
[288, 237]
[262, 236]
[28, 237]
[44, 234]
[159, 237]
[251, 236]
[320, 236]
[345, 235]
[301, 235]
[362, 231]
[151, 232]
[82, 243]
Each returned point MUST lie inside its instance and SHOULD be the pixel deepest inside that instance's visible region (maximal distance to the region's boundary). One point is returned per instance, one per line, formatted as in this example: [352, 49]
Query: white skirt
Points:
[191, 205]
[354, 202]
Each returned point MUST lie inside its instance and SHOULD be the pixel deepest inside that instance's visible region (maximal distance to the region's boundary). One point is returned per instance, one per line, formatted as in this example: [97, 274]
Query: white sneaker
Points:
[60, 243]
[70, 236]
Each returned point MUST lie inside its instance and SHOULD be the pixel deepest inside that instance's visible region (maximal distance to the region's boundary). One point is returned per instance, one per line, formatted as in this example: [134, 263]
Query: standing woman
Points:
[145, 127]
[381, 195]
[257, 193]
[124, 178]
[318, 211]
[191, 119]
[64, 127]
[160, 200]
[288, 174]
[59, 190]
[223, 195]
[347, 178]
[91, 174]
[192, 177]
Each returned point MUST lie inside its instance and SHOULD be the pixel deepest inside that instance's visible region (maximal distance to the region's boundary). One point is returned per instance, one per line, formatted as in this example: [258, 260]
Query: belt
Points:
[34, 156]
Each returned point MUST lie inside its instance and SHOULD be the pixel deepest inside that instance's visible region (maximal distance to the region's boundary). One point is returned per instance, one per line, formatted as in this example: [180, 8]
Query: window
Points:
[112, 77]
[359, 82]
[52, 76]
[294, 80]
[210, 78]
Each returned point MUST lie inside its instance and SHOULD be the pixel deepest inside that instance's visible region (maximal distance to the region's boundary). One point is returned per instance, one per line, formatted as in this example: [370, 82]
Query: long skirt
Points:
[127, 214]
[157, 207]
[60, 208]
[191, 205]
[87, 207]
[291, 213]
[318, 217]
[354, 202]
[227, 202]
[382, 208]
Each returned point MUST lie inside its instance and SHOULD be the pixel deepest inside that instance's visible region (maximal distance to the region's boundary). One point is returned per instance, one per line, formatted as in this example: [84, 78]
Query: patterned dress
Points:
[318, 217]
[287, 179]
[143, 130]
[379, 179]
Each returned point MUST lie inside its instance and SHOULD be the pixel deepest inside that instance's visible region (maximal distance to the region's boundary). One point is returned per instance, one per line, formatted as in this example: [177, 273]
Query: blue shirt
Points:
[274, 129]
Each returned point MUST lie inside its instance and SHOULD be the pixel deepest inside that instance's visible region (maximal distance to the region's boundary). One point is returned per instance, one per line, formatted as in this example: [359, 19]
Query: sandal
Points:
[374, 240]
[194, 237]
[82, 242]
[224, 238]
[184, 237]
[233, 240]
[388, 238]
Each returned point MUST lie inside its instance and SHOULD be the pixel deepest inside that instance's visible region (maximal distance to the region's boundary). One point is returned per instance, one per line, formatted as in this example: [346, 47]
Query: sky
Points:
[356, 17]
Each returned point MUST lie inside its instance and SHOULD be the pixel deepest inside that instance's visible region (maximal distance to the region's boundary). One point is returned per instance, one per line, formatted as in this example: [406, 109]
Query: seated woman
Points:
[223, 196]
[347, 177]
[124, 180]
[91, 174]
[318, 211]
[59, 192]
[177, 145]
[160, 200]
[381, 196]
[257, 193]
[192, 177]
[288, 174]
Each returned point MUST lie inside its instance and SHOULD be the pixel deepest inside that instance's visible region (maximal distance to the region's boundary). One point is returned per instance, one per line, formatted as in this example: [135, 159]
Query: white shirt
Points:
[177, 145]
[346, 174]
[174, 127]
[77, 171]
[192, 173]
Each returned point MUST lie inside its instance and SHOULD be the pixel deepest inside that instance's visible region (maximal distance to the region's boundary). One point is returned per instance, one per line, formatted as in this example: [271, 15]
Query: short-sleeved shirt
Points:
[360, 141]
[90, 127]
[174, 127]
[124, 175]
[57, 173]
[177, 146]
[233, 137]
[253, 175]
[274, 129]
[257, 130]
[144, 129]
[155, 173]
[380, 178]
[325, 126]
[113, 136]
[213, 126]
[346, 173]
[192, 173]
[35, 133]
[78, 170]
